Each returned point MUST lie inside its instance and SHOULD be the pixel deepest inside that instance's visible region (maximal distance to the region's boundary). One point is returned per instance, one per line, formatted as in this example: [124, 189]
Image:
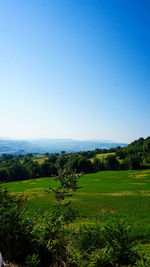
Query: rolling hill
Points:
[12, 146]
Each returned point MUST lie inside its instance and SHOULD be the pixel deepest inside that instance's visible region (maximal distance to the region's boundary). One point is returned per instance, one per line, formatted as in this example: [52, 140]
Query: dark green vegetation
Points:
[134, 156]
[107, 222]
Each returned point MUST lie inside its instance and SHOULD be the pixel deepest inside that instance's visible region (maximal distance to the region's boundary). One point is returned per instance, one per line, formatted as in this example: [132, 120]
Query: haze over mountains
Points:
[13, 146]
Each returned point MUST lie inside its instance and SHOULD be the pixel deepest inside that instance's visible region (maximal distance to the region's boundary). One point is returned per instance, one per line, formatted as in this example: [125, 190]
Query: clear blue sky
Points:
[75, 69]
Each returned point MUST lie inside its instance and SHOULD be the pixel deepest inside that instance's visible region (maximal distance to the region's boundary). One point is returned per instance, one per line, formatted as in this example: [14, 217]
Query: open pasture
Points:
[107, 195]
[40, 160]
[102, 156]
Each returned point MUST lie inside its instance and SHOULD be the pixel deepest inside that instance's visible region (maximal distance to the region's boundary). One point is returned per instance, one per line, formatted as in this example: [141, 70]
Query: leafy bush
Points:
[14, 228]
[144, 261]
[32, 260]
[106, 246]
[101, 257]
[62, 215]
[23, 236]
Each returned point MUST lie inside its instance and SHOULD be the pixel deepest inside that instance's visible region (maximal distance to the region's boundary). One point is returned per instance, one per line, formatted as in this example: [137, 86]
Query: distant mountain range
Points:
[12, 146]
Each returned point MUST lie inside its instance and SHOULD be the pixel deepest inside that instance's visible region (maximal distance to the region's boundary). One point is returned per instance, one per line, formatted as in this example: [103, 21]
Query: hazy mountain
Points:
[8, 146]
[12, 146]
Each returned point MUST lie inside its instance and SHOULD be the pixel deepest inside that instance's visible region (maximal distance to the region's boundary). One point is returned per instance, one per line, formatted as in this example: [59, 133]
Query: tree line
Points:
[134, 156]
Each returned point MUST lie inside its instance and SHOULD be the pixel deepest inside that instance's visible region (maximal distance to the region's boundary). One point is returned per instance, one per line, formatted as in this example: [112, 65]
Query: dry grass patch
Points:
[35, 189]
[138, 176]
[28, 194]
[104, 211]
[129, 193]
[138, 183]
[40, 160]
[145, 192]
[123, 193]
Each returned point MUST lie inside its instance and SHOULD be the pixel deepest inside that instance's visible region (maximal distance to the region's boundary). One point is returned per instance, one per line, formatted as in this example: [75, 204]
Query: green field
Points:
[102, 156]
[40, 160]
[107, 195]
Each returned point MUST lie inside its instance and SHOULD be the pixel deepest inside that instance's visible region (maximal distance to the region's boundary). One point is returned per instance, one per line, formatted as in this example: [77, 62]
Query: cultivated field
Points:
[107, 196]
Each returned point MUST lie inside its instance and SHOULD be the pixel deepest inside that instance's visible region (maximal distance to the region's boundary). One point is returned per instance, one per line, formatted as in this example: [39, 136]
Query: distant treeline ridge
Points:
[134, 156]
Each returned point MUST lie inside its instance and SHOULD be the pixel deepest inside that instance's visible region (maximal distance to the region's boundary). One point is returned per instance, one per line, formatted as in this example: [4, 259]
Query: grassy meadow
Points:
[102, 156]
[107, 196]
[40, 160]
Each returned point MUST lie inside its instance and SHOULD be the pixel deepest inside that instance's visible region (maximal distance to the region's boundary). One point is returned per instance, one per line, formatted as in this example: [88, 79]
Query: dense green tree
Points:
[16, 171]
[84, 165]
[146, 149]
[111, 163]
[120, 153]
[97, 165]
[33, 169]
[61, 161]
[3, 174]
[132, 162]
[63, 152]
[47, 169]
[52, 158]
[72, 163]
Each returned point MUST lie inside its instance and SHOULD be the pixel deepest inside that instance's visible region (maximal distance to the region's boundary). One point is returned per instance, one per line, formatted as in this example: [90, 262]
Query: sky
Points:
[76, 69]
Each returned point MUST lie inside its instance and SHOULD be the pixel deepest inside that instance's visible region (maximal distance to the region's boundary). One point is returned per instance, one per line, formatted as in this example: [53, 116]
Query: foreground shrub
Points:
[101, 257]
[23, 237]
[63, 214]
[144, 261]
[32, 260]
[14, 229]
[109, 245]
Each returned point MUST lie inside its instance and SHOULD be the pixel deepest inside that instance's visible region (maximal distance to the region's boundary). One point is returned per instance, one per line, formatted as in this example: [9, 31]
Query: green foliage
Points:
[47, 239]
[111, 163]
[14, 229]
[97, 165]
[146, 149]
[61, 161]
[108, 195]
[133, 162]
[144, 261]
[84, 165]
[23, 236]
[67, 184]
[47, 169]
[32, 260]
[77, 163]
[110, 245]
[101, 257]
[134, 156]
[137, 154]
[62, 214]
